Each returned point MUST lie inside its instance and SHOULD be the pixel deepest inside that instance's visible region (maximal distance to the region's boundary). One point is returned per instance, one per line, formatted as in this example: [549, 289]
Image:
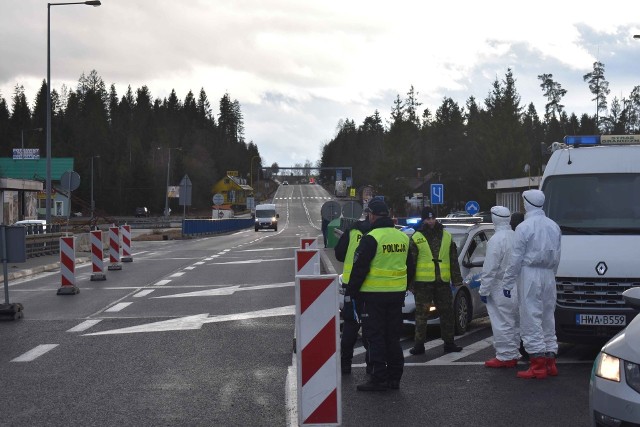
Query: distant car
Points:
[285, 183]
[614, 387]
[35, 225]
[485, 215]
[471, 240]
[142, 212]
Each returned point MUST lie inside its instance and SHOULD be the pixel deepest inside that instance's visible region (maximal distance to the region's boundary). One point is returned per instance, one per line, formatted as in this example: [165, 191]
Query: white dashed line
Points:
[84, 325]
[162, 282]
[177, 274]
[118, 307]
[143, 293]
[35, 353]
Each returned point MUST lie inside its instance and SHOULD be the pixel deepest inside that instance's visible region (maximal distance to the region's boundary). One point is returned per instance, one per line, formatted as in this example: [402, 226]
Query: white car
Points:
[471, 239]
[614, 388]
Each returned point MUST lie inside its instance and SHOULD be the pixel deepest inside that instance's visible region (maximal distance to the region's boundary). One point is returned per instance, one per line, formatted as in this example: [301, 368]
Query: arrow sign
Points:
[472, 207]
[196, 322]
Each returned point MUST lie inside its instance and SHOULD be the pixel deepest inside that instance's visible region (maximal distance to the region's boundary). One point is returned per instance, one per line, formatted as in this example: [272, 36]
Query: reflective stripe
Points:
[425, 265]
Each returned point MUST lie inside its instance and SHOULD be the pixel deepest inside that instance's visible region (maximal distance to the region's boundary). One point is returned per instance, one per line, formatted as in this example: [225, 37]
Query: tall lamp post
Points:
[93, 203]
[48, 182]
[166, 190]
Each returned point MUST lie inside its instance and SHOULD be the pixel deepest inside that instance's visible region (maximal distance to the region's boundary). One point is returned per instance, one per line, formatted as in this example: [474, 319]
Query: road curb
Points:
[39, 269]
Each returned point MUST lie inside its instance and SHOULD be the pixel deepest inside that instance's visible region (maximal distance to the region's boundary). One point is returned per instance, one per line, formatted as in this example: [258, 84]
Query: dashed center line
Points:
[84, 325]
[118, 307]
[35, 353]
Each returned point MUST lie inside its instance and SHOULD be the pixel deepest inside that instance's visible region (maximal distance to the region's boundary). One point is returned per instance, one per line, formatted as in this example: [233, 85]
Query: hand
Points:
[507, 293]
[483, 298]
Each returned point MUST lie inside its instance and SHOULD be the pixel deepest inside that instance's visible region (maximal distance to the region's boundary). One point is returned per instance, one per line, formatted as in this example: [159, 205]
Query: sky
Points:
[298, 67]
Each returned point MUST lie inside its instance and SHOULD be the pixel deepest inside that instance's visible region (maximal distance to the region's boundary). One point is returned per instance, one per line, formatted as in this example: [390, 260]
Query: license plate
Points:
[601, 319]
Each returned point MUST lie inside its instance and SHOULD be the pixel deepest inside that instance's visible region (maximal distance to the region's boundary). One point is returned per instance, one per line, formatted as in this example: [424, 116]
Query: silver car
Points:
[614, 388]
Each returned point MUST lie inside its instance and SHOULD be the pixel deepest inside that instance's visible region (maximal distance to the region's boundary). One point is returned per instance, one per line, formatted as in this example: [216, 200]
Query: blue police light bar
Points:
[582, 140]
[413, 221]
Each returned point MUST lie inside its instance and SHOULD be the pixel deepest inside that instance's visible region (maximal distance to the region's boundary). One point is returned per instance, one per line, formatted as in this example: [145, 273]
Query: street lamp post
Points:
[48, 179]
[166, 190]
[93, 203]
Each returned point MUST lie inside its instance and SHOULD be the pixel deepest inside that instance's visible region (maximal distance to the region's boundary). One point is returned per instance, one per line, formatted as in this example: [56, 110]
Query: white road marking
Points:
[162, 282]
[143, 293]
[252, 261]
[198, 263]
[269, 249]
[196, 322]
[228, 290]
[35, 353]
[192, 267]
[118, 307]
[178, 274]
[84, 325]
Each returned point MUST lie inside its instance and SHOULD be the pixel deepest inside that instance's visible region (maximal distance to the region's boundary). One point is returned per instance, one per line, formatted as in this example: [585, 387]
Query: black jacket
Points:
[366, 252]
[343, 243]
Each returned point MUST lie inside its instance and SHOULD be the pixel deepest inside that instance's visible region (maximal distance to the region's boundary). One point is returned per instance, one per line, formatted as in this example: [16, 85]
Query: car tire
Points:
[461, 312]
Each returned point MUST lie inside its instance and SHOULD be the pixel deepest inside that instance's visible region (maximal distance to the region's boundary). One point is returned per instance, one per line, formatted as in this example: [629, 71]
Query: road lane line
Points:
[84, 325]
[118, 307]
[35, 353]
[178, 274]
[143, 293]
[162, 282]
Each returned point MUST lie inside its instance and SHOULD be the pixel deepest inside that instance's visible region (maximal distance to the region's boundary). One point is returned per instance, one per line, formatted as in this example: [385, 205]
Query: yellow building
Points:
[234, 190]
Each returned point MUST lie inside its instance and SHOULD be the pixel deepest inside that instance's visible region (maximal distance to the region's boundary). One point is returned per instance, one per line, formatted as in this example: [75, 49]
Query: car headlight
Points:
[608, 367]
[632, 372]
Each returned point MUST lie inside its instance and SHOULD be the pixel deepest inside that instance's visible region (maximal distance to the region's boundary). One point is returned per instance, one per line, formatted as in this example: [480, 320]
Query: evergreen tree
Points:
[599, 87]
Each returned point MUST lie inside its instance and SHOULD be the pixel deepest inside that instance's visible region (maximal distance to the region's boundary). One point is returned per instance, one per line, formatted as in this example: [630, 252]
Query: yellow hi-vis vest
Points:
[354, 240]
[388, 269]
[425, 265]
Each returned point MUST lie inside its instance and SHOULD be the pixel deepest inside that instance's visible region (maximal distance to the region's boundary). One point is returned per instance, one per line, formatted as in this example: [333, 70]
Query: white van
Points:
[592, 191]
[266, 217]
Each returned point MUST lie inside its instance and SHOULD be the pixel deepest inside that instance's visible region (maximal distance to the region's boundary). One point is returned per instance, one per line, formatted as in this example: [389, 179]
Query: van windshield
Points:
[594, 203]
[266, 213]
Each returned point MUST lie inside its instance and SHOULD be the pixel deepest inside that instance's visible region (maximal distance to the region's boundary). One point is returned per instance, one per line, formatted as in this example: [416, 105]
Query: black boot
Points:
[371, 385]
[393, 384]
[345, 367]
[417, 349]
[452, 348]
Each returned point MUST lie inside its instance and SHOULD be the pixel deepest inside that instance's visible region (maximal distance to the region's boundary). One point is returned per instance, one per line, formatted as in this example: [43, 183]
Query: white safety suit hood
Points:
[501, 217]
[533, 200]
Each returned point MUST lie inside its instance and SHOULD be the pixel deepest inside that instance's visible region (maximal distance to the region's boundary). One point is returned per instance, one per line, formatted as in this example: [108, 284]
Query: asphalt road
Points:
[200, 332]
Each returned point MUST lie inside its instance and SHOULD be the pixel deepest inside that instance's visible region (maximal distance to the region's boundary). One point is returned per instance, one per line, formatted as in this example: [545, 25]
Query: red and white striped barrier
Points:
[68, 266]
[307, 262]
[126, 243]
[317, 350]
[114, 249]
[308, 243]
[97, 256]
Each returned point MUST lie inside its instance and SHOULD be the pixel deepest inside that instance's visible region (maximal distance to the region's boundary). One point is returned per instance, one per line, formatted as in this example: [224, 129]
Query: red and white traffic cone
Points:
[114, 249]
[68, 267]
[97, 256]
[126, 244]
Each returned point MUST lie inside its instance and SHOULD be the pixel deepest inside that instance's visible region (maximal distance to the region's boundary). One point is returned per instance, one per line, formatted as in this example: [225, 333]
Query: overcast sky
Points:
[297, 67]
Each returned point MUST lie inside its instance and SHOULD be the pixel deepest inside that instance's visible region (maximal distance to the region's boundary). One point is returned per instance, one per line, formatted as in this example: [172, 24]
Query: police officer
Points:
[381, 270]
[437, 265]
[345, 250]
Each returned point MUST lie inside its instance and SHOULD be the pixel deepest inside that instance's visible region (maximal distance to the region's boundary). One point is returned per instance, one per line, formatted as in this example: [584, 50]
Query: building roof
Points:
[34, 169]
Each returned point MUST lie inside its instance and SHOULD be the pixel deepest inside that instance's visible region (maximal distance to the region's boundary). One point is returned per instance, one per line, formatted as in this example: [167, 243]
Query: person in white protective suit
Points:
[503, 312]
[535, 257]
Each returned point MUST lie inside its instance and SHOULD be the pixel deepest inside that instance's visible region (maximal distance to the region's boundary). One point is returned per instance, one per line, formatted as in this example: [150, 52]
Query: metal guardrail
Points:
[43, 244]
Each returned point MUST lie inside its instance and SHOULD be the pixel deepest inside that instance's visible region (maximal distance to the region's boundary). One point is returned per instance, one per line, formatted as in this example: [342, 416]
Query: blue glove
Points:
[483, 298]
[507, 293]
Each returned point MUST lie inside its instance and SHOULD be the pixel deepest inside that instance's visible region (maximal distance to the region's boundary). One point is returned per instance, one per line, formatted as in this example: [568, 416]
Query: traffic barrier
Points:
[307, 262]
[68, 267]
[308, 243]
[114, 249]
[317, 358]
[97, 256]
[126, 244]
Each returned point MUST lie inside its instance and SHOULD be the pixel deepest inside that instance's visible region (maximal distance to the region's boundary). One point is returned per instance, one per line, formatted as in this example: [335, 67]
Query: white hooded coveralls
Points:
[535, 257]
[503, 312]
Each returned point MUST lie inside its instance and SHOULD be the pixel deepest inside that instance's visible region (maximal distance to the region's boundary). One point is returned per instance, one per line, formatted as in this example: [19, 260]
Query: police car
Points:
[471, 238]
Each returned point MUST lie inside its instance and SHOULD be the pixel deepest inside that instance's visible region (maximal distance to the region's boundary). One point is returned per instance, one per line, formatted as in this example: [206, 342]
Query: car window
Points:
[477, 248]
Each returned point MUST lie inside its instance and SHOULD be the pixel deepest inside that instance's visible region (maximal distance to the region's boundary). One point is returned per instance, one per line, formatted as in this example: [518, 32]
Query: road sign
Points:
[218, 199]
[185, 191]
[70, 180]
[351, 209]
[330, 210]
[437, 194]
[472, 207]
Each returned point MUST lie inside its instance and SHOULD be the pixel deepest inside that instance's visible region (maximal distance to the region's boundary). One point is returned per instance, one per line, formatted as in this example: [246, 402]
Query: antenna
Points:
[569, 151]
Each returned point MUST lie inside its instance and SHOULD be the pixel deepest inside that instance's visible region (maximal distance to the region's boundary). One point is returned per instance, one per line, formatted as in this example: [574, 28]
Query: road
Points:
[200, 332]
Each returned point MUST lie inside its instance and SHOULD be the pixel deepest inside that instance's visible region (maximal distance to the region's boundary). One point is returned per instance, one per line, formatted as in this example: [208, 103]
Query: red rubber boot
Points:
[552, 369]
[537, 368]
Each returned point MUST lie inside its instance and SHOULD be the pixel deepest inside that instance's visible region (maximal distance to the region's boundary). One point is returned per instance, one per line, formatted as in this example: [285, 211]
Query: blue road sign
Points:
[472, 207]
[437, 194]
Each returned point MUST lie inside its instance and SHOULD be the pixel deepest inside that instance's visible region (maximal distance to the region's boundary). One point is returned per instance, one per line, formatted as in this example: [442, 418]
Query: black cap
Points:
[428, 212]
[377, 207]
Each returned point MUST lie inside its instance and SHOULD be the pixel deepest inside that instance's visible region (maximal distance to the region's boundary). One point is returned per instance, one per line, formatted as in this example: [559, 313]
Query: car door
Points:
[471, 266]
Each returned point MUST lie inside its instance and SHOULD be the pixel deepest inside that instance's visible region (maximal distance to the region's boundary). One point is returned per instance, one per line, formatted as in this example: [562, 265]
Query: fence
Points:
[198, 227]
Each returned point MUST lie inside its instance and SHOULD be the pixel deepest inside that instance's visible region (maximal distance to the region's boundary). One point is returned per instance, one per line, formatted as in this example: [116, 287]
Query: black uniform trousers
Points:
[381, 329]
[350, 328]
